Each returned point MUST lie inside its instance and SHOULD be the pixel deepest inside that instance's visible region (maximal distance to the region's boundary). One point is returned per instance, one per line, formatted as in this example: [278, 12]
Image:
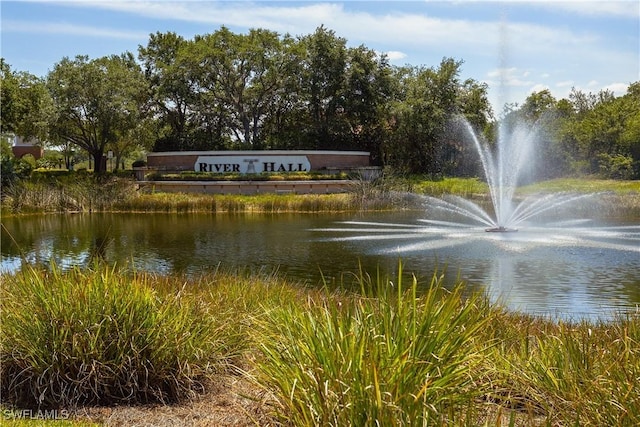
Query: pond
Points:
[573, 269]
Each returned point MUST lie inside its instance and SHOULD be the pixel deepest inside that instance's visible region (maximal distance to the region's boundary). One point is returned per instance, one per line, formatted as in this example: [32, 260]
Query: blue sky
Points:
[517, 47]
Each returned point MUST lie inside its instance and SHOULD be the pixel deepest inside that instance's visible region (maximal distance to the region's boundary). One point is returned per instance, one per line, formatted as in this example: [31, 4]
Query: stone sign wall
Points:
[278, 161]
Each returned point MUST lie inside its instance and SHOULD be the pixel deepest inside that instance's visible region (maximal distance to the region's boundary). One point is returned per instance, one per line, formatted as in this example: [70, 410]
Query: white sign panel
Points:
[252, 164]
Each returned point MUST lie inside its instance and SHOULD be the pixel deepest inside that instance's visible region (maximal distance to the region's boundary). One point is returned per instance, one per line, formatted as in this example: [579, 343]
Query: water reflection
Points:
[569, 269]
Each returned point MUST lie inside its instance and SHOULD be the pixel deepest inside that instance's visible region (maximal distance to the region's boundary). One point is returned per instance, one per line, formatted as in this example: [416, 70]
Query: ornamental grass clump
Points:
[585, 373]
[105, 337]
[555, 372]
[387, 357]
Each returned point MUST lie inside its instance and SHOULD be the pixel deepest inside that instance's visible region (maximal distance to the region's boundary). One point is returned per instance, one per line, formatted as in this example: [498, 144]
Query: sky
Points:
[516, 47]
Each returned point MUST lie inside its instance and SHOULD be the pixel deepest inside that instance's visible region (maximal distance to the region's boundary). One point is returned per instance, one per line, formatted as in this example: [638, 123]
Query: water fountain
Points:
[503, 169]
[559, 263]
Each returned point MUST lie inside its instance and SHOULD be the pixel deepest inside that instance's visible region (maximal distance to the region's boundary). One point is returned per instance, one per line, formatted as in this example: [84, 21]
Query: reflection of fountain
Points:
[503, 169]
[570, 269]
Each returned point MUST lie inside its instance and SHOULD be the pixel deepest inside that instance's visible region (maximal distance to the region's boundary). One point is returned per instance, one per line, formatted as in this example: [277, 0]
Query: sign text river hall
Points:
[252, 164]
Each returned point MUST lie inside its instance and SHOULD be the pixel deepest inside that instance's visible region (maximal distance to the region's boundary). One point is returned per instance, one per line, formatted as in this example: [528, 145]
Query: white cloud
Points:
[509, 77]
[617, 88]
[628, 9]
[70, 29]
[527, 53]
[397, 31]
[621, 8]
[566, 83]
[395, 55]
[538, 88]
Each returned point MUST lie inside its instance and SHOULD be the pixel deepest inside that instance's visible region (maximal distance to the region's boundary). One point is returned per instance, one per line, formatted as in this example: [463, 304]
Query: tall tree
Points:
[367, 93]
[27, 107]
[97, 101]
[426, 102]
[174, 95]
[630, 138]
[241, 76]
[323, 87]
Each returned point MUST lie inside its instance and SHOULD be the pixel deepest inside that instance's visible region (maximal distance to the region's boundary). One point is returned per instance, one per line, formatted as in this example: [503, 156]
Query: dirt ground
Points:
[235, 402]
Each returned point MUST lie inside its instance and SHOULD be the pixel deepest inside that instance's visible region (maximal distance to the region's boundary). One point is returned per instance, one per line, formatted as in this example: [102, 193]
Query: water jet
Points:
[504, 166]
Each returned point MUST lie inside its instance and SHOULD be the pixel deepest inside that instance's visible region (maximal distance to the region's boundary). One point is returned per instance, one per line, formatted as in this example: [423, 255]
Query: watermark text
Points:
[35, 414]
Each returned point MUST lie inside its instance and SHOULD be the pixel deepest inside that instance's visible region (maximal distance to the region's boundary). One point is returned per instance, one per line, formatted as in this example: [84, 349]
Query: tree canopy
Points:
[98, 102]
[264, 90]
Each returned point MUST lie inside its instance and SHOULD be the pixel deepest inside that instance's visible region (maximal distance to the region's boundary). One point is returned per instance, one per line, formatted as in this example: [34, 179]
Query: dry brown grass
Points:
[234, 401]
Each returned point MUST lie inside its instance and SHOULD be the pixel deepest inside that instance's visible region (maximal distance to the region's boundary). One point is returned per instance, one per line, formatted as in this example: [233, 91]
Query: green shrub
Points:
[12, 170]
[615, 166]
[105, 337]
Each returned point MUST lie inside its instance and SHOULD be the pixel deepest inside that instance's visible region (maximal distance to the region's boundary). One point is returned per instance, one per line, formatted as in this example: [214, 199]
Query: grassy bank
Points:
[85, 193]
[584, 185]
[386, 355]
[81, 192]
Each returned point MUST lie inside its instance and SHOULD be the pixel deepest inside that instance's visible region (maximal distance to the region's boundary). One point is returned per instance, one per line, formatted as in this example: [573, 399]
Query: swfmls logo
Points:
[33, 414]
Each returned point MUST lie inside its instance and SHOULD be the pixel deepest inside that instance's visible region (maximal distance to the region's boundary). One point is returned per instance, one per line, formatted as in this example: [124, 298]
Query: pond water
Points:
[575, 269]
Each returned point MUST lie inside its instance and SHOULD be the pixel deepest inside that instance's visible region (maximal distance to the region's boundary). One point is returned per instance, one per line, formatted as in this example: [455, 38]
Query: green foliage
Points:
[105, 337]
[12, 170]
[579, 373]
[615, 166]
[584, 185]
[423, 138]
[99, 102]
[458, 186]
[231, 203]
[26, 108]
[266, 176]
[388, 354]
[391, 356]
[263, 90]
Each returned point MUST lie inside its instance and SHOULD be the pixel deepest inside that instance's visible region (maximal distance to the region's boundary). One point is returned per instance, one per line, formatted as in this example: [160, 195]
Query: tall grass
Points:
[571, 372]
[565, 373]
[84, 192]
[585, 185]
[105, 337]
[78, 193]
[465, 187]
[229, 203]
[389, 354]
[388, 357]
[120, 195]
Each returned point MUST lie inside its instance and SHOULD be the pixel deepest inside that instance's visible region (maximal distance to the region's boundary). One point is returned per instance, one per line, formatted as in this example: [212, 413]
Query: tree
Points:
[426, 102]
[334, 97]
[141, 137]
[323, 87]
[366, 96]
[27, 107]
[239, 77]
[173, 91]
[98, 101]
[536, 105]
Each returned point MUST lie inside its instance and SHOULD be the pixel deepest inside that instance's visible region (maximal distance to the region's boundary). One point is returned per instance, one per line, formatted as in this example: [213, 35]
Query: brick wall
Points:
[22, 150]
